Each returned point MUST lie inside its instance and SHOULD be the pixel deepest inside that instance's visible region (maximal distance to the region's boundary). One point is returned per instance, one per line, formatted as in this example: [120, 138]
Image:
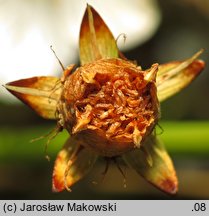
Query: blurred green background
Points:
[26, 174]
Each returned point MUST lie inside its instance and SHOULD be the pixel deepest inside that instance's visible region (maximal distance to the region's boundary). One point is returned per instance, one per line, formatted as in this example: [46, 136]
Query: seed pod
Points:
[110, 104]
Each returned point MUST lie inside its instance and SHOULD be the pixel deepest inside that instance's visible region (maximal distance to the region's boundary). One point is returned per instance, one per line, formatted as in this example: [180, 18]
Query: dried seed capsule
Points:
[114, 105]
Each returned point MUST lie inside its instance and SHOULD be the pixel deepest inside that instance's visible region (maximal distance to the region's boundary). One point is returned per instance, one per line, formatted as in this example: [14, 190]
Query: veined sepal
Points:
[172, 77]
[153, 163]
[73, 162]
[96, 40]
[39, 93]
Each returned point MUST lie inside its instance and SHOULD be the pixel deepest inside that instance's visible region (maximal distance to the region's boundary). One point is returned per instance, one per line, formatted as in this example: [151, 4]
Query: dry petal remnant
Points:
[113, 101]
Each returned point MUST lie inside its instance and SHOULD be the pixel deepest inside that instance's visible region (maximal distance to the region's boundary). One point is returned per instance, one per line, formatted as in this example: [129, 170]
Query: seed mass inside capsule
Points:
[110, 105]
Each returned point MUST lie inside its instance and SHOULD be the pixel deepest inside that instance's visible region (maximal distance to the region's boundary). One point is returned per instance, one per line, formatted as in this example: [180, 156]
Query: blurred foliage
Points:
[26, 174]
[183, 138]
